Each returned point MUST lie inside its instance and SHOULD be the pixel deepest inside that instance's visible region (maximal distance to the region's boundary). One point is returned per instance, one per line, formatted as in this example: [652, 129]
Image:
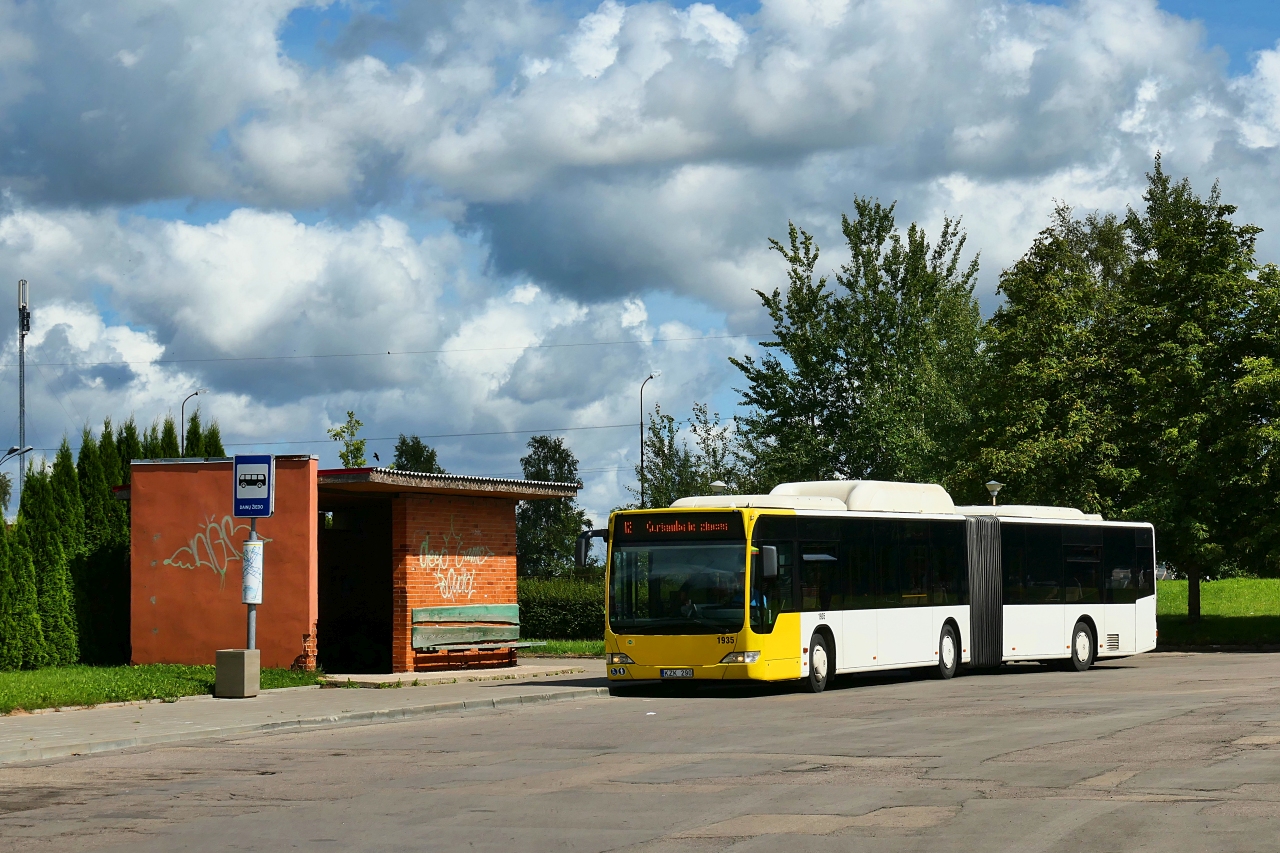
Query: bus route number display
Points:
[672, 526]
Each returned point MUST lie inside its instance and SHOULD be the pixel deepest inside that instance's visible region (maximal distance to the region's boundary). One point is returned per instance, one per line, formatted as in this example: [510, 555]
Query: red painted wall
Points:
[448, 550]
[186, 565]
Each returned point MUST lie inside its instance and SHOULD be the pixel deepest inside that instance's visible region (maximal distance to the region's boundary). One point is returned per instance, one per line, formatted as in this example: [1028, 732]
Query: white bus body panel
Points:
[1118, 629]
[1145, 632]
[904, 636]
[1034, 631]
[858, 647]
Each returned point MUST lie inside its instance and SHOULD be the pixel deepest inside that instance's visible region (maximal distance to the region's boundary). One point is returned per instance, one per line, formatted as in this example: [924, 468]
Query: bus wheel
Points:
[948, 652]
[819, 665]
[1081, 647]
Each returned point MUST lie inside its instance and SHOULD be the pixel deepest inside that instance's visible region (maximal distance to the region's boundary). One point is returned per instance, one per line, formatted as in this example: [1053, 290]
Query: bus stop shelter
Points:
[365, 570]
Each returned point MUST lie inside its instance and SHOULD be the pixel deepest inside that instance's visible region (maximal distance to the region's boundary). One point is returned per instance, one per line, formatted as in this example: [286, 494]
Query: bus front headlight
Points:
[618, 657]
[740, 657]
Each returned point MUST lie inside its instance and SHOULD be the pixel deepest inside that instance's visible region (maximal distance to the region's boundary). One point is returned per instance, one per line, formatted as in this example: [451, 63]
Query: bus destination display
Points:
[677, 526]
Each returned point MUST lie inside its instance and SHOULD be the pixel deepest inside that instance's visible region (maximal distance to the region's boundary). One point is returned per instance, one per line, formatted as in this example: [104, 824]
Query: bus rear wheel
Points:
[819, 665]
[1082, 648]
[948, 652]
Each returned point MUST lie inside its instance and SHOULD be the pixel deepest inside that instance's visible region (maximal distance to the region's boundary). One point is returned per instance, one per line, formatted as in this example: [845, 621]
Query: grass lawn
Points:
[1238, 611]
[55, 687]
[566, 649]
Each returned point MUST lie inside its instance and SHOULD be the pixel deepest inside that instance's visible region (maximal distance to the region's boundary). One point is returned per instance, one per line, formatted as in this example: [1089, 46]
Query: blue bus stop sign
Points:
[254, 487]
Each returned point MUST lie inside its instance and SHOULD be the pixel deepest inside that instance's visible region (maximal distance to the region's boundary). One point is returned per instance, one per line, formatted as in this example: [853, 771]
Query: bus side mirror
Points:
[769, 561]
[582, 547]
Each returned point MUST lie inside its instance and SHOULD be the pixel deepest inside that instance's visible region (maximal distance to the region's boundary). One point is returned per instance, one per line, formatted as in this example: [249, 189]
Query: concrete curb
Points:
[387, 715]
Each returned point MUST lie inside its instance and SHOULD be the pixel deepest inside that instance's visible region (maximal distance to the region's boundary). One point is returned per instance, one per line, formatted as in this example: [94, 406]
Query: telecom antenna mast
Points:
[24, 326]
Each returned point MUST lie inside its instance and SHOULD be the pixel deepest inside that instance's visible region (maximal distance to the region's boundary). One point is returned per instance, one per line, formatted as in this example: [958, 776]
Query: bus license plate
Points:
[677, 673]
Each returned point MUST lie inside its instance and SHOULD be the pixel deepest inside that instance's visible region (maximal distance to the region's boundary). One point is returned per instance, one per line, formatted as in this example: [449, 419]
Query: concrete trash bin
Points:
[238, 673]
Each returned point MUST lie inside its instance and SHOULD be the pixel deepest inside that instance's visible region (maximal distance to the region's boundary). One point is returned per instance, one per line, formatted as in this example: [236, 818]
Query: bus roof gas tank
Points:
[876, 495]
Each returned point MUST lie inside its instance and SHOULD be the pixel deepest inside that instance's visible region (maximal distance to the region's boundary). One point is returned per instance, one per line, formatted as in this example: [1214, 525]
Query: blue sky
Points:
[480, 189]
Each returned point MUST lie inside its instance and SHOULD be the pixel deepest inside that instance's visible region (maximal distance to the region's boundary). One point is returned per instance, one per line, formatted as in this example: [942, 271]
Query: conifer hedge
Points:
[64, 563]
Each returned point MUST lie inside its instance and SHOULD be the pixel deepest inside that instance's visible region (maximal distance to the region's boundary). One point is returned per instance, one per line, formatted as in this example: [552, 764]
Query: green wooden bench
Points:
[468, 626]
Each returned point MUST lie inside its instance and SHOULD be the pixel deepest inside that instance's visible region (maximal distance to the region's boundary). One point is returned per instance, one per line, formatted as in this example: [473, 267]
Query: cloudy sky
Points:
[475, 219]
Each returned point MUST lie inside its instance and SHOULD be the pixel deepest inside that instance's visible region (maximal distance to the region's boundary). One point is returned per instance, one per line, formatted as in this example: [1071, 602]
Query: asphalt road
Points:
[1167, 752]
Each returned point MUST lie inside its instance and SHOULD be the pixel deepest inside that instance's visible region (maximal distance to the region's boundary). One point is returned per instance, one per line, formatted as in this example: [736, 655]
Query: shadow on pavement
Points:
[853, 681]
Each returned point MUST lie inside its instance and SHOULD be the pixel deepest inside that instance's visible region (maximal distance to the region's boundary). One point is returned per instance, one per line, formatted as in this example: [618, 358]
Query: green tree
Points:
[546, 529]
[6, 491]
[670, 469]
[212, 441]
[352, 452]
[149, 442]
[44, 536]
[193, 441]
[68, 506]
[413, 455]
[109, 453]
[22, 642]
[102, 581]
[11, 635]
[169, 448]
[1197, 341]
[129, 447]
[873, 379]
[1045, 421]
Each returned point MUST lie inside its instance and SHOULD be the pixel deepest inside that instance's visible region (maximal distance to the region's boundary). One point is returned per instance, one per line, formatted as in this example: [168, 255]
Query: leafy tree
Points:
[873, 379]
[6, 491]
[22, 642]
[670, 470]
[1197, 342]
[1045, 420]
[352, 452]
[11, 634]
[413, 455]
[149, 444]
[109, 453]
[102, 580]
[212, 441]
[546, 529]
[129, 447]
[67, 505]
[193, 441]
[169, 448]
[44, 537]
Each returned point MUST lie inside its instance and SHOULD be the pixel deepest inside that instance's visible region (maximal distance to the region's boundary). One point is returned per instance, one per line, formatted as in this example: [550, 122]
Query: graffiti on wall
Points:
[454, 563]
[213, 546]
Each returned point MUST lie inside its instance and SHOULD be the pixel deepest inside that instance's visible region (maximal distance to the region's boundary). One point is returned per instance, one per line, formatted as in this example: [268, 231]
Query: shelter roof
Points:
[390, 481]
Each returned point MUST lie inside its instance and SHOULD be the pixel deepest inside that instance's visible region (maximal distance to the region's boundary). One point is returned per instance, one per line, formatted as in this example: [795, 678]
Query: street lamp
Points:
[653, 375]
[994, 488]
[182, 421]
[15, 451]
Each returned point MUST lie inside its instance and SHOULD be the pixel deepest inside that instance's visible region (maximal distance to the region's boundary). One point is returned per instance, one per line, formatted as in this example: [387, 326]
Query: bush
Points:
[561, 608]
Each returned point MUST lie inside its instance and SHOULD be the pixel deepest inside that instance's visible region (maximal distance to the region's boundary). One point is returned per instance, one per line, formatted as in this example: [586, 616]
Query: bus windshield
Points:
[693, 588]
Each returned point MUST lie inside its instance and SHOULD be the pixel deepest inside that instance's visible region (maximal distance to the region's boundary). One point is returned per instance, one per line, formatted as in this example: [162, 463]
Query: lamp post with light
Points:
[994, 488]
[653, 375]
[182, 415]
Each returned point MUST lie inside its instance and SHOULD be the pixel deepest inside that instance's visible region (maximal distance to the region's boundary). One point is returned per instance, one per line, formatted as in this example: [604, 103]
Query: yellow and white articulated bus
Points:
[818, 579]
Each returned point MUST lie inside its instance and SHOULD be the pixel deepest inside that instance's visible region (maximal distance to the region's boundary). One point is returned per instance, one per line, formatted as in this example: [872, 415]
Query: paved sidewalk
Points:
[528, 668]
[89, 730]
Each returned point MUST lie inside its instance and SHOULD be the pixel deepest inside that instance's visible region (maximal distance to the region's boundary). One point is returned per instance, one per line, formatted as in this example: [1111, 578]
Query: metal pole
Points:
[253, 608]
[642, 384]
[182, 427]
[24, 326]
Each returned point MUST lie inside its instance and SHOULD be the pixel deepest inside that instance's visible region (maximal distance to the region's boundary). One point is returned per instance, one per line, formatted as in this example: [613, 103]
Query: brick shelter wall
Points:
[448, 550]
[185, 555]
